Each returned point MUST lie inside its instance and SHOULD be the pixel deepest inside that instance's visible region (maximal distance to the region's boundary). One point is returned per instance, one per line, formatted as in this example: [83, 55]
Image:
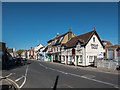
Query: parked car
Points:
[23, 58]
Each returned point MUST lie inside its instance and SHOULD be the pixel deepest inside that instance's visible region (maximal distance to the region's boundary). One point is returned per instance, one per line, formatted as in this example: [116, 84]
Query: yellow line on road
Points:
[12, 82]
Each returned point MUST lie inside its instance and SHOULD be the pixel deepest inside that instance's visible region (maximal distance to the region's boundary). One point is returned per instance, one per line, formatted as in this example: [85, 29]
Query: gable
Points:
[94, 43]
[96, 37]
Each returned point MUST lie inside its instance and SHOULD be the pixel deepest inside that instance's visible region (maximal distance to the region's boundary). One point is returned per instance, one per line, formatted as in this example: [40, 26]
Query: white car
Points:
[23, 58]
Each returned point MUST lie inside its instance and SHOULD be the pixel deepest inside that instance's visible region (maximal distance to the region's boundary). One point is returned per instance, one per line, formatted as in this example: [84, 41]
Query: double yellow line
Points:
[12, 82]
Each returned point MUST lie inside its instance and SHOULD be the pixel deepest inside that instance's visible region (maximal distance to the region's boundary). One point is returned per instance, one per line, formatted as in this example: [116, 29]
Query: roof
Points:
[84, 39]
[41, 48]
[45, 49]
[58, 37]
[113, 46]
[108, 43]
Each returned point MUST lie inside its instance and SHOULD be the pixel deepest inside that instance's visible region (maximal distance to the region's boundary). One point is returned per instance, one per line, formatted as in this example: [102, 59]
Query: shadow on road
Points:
[56, 81]
[12, 65]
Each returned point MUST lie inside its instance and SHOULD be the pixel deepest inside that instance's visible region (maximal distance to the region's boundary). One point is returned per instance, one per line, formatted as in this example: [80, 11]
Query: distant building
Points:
[30, 53]
[54, 46]
[36, 51]
[24, 53]
[111, 52]
[106, 43]
[45, 56]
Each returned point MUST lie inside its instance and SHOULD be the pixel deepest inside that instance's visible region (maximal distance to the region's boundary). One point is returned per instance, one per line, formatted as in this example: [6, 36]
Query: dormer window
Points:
[93, 39]
[55, 41]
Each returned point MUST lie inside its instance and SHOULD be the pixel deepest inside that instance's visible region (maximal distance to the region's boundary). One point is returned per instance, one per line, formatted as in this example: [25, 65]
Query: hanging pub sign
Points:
[94, 46]
[73, 51]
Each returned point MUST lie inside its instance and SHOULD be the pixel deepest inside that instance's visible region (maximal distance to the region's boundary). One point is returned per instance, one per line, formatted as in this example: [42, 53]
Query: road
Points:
[39, 74]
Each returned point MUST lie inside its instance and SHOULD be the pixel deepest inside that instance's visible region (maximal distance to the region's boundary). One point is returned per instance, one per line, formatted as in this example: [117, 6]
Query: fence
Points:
[107, 64]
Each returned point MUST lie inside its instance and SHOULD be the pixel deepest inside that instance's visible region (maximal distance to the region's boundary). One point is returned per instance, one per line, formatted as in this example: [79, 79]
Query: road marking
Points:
[24, 77]
[9, 75]
[68, 85]
[19, 78]
[12, 82]
[116, 86]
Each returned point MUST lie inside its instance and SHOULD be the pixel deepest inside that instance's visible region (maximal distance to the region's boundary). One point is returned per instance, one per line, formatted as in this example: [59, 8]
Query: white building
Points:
[83, 49]
[36, 52]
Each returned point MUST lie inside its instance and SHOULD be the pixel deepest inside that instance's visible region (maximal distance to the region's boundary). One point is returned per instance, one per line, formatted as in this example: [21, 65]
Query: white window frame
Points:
[91, 58]
[80, 59]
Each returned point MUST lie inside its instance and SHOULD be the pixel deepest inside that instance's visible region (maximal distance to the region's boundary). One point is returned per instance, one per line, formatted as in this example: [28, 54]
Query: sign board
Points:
[100, 56]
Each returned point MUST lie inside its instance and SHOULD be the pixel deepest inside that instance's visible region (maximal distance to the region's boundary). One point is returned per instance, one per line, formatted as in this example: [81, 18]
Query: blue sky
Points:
[23, 24]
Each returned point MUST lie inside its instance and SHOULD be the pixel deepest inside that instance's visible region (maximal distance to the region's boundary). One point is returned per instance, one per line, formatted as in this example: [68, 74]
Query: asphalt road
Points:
[39, 74]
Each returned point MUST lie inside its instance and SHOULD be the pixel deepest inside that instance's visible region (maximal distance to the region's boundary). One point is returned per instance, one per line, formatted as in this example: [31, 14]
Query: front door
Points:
[50, 58]
[76, 60]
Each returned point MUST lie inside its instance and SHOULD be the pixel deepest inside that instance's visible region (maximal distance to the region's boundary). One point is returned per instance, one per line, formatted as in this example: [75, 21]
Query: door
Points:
[76, 60]
[50, 58]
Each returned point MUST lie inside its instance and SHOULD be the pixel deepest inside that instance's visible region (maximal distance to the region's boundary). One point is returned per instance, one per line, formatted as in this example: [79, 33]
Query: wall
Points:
[65, 39]
[93, 52]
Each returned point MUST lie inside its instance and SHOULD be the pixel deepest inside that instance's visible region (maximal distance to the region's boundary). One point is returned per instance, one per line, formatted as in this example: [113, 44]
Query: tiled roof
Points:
[112, 46]
[45, 49]
[58, 39]
[84, 38]
[108, 43]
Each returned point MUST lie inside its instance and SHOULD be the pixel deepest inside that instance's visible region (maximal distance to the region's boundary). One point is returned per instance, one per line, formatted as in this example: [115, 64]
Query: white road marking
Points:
[25, 77]
[9, 75]
[116, 86]
[19, 78]
[23, 82]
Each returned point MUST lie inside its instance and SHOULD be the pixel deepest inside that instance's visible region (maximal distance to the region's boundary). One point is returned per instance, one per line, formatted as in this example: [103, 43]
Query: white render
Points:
[93, 52]
[82, 53]
[36, 51]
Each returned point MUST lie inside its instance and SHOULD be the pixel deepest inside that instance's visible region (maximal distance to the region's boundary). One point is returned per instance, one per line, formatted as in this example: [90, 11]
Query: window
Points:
[93, 39]
[90, 58]
[58, 48]
[55, 41]
[78, 46]
[62, 48]
[80, 59]
[60, 39]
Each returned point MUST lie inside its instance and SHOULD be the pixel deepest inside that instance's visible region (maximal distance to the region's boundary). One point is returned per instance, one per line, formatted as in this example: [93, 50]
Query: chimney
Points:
[94, 28]
[57, 34]
[69, 30]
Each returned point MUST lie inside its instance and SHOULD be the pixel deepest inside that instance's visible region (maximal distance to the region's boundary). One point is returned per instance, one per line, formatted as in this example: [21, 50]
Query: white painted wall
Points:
[93, 52]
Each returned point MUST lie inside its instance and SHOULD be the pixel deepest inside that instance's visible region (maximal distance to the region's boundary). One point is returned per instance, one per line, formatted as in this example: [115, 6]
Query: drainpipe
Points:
[85, 55]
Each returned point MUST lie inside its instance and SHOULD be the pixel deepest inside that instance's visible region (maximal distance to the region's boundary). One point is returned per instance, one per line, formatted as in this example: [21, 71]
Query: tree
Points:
[19, 51]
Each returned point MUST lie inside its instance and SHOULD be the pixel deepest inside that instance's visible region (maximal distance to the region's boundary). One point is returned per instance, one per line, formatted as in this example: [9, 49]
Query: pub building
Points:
[83, 49]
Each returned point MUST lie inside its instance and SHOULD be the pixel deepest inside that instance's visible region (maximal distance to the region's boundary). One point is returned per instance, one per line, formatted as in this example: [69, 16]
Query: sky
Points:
[27, 24]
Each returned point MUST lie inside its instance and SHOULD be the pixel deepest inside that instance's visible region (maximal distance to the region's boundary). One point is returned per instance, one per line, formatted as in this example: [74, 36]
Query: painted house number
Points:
[94, 46]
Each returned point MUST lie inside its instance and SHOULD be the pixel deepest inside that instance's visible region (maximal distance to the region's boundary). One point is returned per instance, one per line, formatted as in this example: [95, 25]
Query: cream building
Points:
[83, 49]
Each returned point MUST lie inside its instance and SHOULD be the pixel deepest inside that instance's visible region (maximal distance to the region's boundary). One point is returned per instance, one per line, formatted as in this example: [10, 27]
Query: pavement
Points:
[90, 68]
[40, 74]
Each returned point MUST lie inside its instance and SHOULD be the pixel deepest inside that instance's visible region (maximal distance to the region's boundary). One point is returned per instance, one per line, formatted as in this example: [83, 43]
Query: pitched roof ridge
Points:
[86, 33]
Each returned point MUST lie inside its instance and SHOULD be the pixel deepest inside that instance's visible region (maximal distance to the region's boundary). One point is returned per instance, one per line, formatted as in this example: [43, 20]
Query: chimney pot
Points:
[69, 30]
[57, 34]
